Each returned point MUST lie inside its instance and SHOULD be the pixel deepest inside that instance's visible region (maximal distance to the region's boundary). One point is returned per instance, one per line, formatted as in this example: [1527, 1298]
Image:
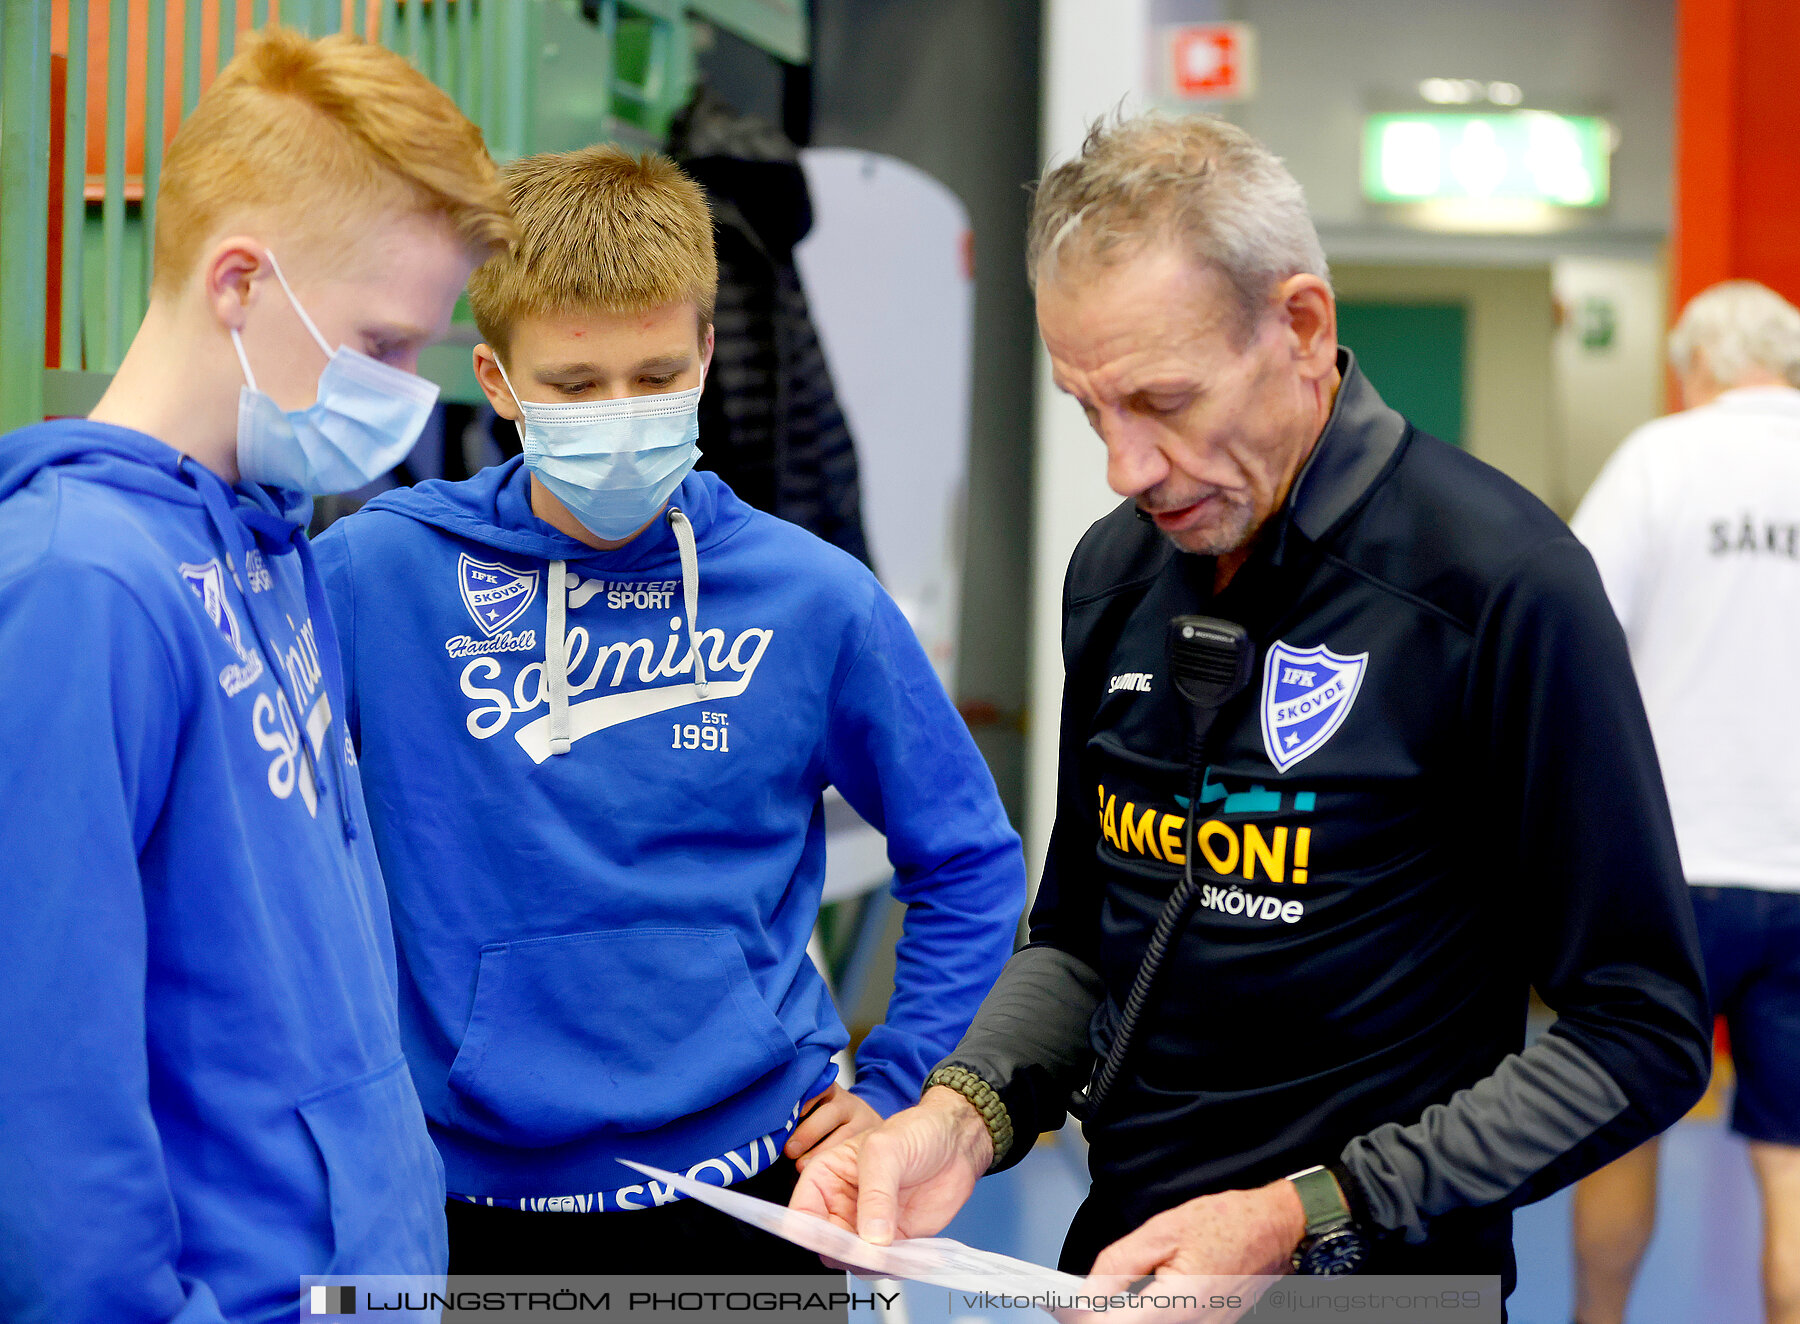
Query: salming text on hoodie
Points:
[202, 1092]
[603, 951]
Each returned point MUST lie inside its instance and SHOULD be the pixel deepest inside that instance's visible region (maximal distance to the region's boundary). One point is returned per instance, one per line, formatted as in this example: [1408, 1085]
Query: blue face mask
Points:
[613, 463]
[367, 418]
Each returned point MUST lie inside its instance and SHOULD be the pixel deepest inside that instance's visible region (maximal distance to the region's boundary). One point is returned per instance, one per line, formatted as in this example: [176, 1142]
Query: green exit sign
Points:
[1514, 156]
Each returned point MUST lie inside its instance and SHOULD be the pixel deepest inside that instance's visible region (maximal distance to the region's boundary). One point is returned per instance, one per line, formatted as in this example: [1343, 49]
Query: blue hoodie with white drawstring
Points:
[595, 780]
[202, 1091]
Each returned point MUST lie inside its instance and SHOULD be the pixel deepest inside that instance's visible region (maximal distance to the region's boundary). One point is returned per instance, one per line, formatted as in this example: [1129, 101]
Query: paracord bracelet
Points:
[986, 1102]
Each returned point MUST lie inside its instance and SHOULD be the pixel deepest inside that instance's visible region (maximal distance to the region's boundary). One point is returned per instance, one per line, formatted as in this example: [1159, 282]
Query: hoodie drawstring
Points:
[690, 590]
[336, 742]
[556, 655]
[230, 531]
[556, 628]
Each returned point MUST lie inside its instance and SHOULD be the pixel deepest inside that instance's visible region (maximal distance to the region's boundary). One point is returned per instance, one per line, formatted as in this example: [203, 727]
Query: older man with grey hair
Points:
[1351, 757]
[1695, 525]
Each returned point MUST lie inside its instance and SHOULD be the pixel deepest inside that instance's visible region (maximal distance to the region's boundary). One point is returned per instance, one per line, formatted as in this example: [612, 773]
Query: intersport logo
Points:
[658, 667]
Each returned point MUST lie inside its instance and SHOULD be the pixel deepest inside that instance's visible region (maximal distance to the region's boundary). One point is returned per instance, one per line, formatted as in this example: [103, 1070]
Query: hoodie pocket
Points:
[627, 1029]
[383, 1175]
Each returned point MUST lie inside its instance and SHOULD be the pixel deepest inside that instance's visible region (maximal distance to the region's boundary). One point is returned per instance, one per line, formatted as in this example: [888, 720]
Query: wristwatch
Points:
[1332, 1245]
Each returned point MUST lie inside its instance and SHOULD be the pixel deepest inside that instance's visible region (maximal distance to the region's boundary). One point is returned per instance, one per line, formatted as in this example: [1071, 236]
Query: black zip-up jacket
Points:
[770, 417]
[1438, 790]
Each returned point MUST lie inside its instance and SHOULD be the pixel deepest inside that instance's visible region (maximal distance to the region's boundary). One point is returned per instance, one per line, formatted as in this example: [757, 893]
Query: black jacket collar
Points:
[1358, 440]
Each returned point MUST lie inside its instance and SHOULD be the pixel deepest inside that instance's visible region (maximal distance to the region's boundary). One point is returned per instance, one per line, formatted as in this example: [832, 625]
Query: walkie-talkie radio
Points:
[1210, 661]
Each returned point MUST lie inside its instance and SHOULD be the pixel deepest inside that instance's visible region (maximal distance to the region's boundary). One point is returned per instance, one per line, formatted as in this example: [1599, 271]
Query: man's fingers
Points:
[840, 1203]
[878, 1189]
[830, 1142]
[827, 1187]
[809, 1195]
[820, 1122]
[1132, 1256]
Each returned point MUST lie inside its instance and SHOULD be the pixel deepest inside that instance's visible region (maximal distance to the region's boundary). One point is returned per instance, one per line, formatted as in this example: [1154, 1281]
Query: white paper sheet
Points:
[940, 1261]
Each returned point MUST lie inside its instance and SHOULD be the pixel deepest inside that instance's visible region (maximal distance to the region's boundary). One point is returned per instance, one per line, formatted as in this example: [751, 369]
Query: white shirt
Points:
[1695, 525]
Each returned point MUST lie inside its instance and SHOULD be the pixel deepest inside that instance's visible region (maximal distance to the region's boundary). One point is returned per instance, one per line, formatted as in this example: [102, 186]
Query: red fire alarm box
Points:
[1209, 61]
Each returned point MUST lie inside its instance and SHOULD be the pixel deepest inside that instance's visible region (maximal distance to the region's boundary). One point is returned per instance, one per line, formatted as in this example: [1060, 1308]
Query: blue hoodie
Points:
[202, 1092]
[603, 952]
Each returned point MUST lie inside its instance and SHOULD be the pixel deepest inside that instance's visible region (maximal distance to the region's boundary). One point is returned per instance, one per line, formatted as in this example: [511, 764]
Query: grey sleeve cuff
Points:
[1030, 1040]
[1548, 1110]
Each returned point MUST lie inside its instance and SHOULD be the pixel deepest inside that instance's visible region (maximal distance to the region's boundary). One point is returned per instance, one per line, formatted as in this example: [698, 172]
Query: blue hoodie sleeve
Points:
[87, 1220]
[902, 757]
[331, 556]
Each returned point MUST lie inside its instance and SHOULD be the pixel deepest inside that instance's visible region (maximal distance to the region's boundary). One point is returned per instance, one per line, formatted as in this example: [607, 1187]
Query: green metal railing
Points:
[534, 75]
[25, 188]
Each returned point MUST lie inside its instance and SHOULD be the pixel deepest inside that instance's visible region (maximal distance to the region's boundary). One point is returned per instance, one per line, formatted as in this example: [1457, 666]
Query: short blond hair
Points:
[599, 230]
[1198, 181]
[319, 137]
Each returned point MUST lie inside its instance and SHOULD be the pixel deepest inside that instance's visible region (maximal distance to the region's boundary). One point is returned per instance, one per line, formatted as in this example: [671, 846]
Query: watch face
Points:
[1333, 1254]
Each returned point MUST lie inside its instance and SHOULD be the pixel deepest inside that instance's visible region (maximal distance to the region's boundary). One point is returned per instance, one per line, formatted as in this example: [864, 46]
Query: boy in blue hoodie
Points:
[596, 700]
[202, 1091]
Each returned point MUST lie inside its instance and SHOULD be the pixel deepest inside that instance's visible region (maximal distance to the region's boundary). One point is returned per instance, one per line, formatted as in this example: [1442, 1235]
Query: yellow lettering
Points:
[1140, 836]
[1255, 848]
[1109, 827]
[1169, 828]
[1302, 848]
[1214, 828]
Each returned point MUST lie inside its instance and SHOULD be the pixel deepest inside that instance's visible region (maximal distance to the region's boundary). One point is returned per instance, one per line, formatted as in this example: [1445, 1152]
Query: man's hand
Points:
[839, 1116]
[915, 1169]
[1231, 1233]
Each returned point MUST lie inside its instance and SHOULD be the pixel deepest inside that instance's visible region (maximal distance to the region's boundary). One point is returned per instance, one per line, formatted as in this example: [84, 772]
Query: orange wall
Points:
[99, 38]
[1737, 150]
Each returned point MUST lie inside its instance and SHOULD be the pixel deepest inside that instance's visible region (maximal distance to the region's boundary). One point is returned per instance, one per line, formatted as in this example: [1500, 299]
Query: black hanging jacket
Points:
[770, 424]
